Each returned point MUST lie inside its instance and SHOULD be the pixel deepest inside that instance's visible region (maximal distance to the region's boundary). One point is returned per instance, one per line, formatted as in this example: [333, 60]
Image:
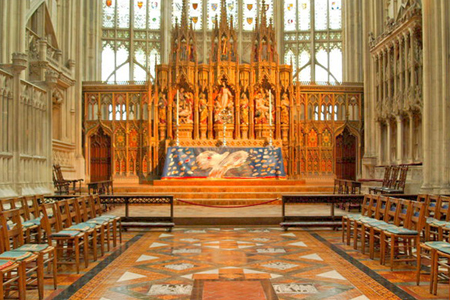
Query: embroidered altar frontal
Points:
[224, 163]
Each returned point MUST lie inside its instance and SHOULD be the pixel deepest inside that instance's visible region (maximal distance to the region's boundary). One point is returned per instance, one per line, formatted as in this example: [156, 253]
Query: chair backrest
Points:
[58, 173]
[73, 211]
[32, 205]
[365, 206]
[394, 175]
[90, 205]
[373, 208]
[387, 174]
[422, 198]
[404, 210]
[7, 204]
[12, 234]
[381, 208]
[63, 214]
[417, 216]
[401, 182]
[431, 206]
[82, 210]
[444, 208]
[391, 210]
[97, 205]
[50, 220]
[20, 204]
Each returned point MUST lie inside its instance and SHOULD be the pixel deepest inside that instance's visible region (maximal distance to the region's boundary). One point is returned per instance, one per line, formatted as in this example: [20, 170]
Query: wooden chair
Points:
[404, 236]
[101, 227]
[358, 224]
[387, 217]
[441, 218]
[13, 249]
[69, 243]
[65, 186]
[397, 186]
[349, 220]
[386, 180]
[11, 279]
[115, 221]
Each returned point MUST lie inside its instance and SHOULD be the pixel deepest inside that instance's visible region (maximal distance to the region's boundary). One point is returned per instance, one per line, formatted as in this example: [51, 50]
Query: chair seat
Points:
[80, 227]
[98, 221]
[439, 245]
[29, 224]
[354, 216]
[67, 233]
[401, 231]
[5, 264]
[33, 247]
[110, 217]
[15, 255]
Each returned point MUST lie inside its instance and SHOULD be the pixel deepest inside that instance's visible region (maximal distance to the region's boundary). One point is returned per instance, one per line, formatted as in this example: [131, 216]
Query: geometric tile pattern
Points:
[224, 263]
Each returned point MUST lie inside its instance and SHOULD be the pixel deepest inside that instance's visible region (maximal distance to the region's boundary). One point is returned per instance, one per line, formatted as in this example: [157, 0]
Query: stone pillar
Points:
[411, 137]
[436, 108]
[400, 132]
[388, 157]
[352, 41]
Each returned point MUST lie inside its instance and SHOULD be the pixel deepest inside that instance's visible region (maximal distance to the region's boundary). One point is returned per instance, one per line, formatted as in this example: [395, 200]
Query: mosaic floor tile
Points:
[245, 263]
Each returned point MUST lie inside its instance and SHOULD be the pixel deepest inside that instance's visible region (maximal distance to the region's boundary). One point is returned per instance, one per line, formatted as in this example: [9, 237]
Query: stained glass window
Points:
[290, 18]
[195, 13]
[214, 9]
[135, 24]
[335, 12]
[177, 6]
[304, 14]
[314, 24]
[249, 13]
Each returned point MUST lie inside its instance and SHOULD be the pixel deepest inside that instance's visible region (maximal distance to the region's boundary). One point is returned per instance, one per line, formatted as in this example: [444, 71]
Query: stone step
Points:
[227, 182]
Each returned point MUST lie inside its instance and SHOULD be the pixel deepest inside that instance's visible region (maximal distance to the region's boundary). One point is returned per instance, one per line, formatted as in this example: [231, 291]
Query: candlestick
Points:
[178, 107]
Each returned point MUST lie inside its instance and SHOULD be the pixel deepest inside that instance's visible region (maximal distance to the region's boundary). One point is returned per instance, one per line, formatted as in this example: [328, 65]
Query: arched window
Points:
[314, 25]
[131, 39]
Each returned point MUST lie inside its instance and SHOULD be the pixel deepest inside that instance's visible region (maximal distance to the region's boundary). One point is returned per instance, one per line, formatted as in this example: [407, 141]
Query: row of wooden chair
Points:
[61, 232]
[394, 180]
[20, 222]
[394, 225]
[435, 248]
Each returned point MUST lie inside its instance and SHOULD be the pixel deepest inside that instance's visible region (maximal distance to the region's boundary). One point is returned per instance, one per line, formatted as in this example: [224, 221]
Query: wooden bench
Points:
[345, 186]
[64, 186]
[142, 221]
[315, 221]
[101, 187]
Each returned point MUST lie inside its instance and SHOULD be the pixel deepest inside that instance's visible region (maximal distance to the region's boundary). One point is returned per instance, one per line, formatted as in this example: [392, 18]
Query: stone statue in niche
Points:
[284, 109]
[262, 107]
[203, 106]
[244, 108]
[186, 104]
[162, 104]
[223, 100]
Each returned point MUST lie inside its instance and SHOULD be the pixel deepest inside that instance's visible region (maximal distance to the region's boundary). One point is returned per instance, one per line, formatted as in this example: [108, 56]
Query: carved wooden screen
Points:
[346, 153]
[100, 156]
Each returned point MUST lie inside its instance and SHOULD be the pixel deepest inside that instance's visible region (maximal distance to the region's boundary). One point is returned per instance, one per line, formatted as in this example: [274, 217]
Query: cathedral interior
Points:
[224, 149]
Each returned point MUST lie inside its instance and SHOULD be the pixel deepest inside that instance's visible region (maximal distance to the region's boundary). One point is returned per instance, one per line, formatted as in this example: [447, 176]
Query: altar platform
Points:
[228, 192]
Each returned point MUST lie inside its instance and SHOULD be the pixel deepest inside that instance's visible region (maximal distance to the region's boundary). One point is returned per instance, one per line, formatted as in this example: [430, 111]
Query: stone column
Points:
[411, 137]
[352, 41]
[400, 131]
[436, 108]
[388, 157]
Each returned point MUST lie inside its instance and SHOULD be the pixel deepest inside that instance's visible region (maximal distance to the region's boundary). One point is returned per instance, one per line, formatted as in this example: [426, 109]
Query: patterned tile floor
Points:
[249, 263]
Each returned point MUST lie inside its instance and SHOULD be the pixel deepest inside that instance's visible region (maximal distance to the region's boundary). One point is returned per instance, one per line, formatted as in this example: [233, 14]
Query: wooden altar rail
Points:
[321, 221]
[128, 200]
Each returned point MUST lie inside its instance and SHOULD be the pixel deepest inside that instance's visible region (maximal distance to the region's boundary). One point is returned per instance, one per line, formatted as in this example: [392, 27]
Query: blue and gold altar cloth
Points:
[224, 163]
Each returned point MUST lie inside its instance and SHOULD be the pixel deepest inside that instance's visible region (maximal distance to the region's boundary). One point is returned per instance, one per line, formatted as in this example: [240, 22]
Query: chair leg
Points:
[55, 271]
[40, 276]
[85, 250]
[419, 264]
[94, 244]
[77, 255]
[393, 245]
[114, 232]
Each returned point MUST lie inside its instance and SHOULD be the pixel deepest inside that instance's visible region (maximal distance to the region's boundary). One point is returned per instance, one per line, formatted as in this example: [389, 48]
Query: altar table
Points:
[224, 163]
